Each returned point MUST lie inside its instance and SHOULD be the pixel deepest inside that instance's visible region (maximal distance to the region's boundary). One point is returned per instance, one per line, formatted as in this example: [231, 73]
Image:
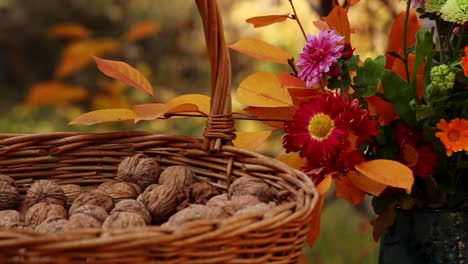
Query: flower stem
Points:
[405, 31]
[295, 17]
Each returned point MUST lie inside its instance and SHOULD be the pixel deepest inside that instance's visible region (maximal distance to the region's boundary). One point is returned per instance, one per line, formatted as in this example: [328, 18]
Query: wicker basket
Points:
[92, 158]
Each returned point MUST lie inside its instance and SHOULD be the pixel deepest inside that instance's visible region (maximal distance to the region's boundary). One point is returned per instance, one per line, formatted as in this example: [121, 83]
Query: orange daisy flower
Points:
[465, 61]
[454, 135]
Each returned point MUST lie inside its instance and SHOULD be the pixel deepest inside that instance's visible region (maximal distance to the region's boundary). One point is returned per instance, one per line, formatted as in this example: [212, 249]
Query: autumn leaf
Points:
[273, 112]
[103, 116]
[261, 50]
[293, 160]
[261, 21]
[263, 89]
[251, 140]
[365, 184]
[384, 220]
[126, 73]
[388, 172]
[69, 30]
[54, 93]
[347, 190]
[291, 81]
[321, 25]
[149, 111]
[385, 111]
[201, 101]
[337, 20]
[77, 55]
[314, 230]
[141, 30]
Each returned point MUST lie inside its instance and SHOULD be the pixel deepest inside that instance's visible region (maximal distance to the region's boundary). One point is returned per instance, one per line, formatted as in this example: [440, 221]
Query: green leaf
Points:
[424, 52]
[368, 77]
[399, 94]
[423, 112]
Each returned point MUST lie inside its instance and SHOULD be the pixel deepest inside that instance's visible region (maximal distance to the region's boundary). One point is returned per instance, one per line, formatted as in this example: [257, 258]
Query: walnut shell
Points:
[260, 208]
[40, 212]
[71, 191]
[139, 169]
[8, 180]
[9, 218]
[91, 210]
[160, 200]
[238, 203]
[132, 206]
[93, 197]
[45, 191]
[120, 190]
[54, 225]
[192, 213]
[218, 200]
[123, 220]
[251, 186]
[84, 221]
[178, 176]
[9, 195]
[196, 193]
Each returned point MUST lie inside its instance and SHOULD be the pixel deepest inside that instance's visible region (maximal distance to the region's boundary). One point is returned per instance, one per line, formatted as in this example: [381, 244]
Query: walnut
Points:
[9, 195]
[8, 180]
[53, 225]
[9, 218]
[160, 200]
[91, 210]
[260, 208]
[192, 213]
[95, 198]
[45, 191]
[84, 221]
[218, 200]
[120, 190]
[123, 220]
[196, 193]
[251, 186]
[132, 206]
[178, 176]
[238, 203]
[139, 169]
[40, 212]
[71, 191]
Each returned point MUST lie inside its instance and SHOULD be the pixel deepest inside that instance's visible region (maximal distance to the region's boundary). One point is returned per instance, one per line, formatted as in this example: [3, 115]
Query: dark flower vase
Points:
[426, 237]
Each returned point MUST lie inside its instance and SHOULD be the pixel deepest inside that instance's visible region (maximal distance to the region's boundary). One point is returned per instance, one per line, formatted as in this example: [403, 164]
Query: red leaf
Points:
[338, 21]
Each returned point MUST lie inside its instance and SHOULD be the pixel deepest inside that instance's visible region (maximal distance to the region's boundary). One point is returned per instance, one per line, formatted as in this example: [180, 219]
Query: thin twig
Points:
[405, 31]
[234, 117]
[295, 17]
[293, 66]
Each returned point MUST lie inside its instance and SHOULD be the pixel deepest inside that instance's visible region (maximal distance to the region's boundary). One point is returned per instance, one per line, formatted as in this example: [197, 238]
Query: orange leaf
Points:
[399, 68]
[338, 21]
[69, 30]
[261, 21]
[251, 140]
[272, 112]
[314, 230]
[365, 184]
[395, 41]
[149, 111]
[384, 220]
[54, 93]
[144, 29]
[263, 89]
[77, 55]
[347, 190]
[383, 109]
[290, 81]
[321, 25]
[126, 73]
[293, 160]
[103, 116]
[202, 102]
[388, 172]
[261, 50]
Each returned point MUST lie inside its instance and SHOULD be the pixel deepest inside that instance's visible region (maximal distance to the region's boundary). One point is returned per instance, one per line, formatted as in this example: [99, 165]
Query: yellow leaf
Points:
[388, 172]
[144, 29]
[149, 111]
[347, 190]
[261, 50]
[69, 30]
[201, 101]
[54, 93]
[251, 140]
[263, 89]
[126, 73]
[77, 55]
[293, 161]
[314, 230]
[103, 116]
[365, 184]
[261, 21]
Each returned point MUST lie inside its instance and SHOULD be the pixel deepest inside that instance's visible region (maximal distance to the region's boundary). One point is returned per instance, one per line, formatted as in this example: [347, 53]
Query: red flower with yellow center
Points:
[454, 135]
[413, 153]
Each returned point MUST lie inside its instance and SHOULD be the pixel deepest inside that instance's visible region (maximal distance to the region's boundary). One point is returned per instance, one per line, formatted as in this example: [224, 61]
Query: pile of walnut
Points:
[142, 194]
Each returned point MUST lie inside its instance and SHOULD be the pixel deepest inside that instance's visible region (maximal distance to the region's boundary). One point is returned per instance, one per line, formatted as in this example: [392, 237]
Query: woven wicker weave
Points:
[89, 159]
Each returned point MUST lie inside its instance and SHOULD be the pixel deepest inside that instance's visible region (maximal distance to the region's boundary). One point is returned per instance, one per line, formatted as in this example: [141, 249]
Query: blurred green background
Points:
[47, 77]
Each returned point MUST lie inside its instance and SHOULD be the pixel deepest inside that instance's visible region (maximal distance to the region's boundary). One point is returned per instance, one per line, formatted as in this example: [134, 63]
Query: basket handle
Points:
[219, 128]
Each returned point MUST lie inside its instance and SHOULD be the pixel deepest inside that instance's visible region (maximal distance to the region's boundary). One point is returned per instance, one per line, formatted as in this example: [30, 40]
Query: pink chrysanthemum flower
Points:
[318, 55]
